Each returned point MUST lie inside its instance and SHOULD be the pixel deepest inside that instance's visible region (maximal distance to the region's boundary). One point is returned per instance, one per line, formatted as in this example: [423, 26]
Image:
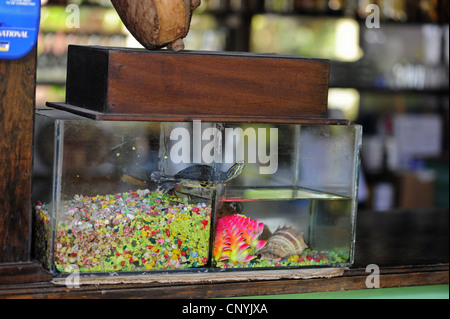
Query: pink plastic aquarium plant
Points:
[236, 239]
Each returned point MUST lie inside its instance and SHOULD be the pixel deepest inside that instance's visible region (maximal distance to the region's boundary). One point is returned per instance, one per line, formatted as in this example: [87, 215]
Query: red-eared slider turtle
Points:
[196, 176]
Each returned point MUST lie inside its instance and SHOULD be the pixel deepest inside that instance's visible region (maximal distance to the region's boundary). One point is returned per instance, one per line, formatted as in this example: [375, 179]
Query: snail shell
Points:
[157, 23]
[284, 242]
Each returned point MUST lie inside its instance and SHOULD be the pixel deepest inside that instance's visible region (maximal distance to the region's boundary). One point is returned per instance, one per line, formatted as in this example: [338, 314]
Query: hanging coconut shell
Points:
[157, 23]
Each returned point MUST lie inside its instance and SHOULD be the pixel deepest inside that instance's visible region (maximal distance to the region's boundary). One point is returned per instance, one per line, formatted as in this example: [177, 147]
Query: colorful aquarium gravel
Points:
[309, 258]
[134, 231]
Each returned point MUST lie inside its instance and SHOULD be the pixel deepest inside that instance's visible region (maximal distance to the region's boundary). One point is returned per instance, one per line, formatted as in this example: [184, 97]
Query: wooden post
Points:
[17, 100]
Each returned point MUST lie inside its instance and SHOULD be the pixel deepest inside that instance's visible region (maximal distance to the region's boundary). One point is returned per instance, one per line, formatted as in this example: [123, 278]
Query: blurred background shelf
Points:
[393, 79]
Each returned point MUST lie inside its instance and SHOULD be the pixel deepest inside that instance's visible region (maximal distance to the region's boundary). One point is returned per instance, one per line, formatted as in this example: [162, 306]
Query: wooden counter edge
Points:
[22, 273]
[239, 285]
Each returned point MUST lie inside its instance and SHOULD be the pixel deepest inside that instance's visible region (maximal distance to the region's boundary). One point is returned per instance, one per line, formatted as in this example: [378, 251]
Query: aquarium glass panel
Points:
[123, 196]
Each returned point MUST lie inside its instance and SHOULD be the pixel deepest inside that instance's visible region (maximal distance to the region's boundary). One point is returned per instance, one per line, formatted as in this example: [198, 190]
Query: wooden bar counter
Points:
[410, 247]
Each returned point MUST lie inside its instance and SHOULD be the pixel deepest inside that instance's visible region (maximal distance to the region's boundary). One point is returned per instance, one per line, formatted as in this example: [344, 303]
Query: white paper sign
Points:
[418, 135]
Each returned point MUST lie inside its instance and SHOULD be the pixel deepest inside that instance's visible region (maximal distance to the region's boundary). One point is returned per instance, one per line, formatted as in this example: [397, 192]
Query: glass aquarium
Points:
[127, 196]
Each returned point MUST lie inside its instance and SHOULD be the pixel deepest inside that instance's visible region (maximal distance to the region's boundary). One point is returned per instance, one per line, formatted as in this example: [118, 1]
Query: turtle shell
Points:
[201, 173]
[196, 176]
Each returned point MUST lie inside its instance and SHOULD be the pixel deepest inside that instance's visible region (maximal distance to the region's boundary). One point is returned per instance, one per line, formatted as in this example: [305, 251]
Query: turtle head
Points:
[235, 170]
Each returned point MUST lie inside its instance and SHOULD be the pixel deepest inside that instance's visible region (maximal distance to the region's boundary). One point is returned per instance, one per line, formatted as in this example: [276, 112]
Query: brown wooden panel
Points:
[17, 92]
[21, 273]
[197, 85]
[216, 85]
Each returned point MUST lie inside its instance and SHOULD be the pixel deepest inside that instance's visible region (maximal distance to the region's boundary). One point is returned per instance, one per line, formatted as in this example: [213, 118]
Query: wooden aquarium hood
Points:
[107, 83]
